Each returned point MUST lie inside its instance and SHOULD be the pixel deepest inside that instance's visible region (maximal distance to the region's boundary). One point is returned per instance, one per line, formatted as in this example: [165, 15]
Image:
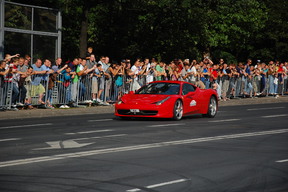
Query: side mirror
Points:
[131, 92]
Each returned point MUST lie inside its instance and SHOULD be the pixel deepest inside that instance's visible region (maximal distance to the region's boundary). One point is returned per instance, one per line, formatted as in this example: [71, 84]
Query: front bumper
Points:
[150, 110]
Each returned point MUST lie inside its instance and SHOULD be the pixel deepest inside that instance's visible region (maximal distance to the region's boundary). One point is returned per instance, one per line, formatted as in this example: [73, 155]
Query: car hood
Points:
[142, 98]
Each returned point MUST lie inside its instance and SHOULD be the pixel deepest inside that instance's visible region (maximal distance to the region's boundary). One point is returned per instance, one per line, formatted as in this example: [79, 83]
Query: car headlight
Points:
[162, 101]
[120, 102]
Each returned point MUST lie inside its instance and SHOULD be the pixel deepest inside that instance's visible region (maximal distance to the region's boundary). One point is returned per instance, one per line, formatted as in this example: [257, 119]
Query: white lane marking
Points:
[225, 120]
[97, 120]
[136, 147]
[282, 161]
[159, 185]
[166, 125]
[19, 126]
[11, 139]
[67, 144]
[258, 109]
[84, 132]
[71, 143]
[271, 116]
[108, 136]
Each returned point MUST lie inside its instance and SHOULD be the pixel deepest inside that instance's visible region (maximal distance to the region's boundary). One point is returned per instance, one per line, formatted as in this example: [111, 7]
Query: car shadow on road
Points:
[188, 117]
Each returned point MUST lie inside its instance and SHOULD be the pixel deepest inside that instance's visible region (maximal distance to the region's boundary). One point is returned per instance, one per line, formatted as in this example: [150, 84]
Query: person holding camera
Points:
[160, 71]
[225, 74]
[149, 70]
[100, 74]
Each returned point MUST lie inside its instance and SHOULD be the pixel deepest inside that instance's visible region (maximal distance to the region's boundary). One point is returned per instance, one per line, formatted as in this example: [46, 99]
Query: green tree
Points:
[166, 29]
[233, 27]
[272, 41]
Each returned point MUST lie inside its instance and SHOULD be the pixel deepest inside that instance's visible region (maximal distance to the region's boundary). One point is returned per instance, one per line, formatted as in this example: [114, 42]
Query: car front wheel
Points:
[212, 108]
[178, 110]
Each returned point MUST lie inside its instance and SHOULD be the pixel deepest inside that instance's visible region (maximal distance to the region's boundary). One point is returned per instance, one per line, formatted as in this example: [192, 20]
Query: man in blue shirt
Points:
[37, 79]
[247, 79]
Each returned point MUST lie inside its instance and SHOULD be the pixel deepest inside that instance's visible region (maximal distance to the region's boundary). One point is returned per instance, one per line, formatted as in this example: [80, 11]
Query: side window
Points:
[187, 88]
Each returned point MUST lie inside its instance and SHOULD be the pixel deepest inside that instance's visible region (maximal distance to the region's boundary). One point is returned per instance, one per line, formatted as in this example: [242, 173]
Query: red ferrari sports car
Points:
[168, 99]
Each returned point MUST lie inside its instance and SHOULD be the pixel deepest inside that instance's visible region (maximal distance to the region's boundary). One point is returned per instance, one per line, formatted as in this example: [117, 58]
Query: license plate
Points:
[134, 110]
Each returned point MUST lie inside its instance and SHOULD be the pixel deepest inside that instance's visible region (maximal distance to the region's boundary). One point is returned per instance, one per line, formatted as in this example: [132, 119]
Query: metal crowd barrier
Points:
[36, 89]
[46, 90]
[263, 86]
[5, 94]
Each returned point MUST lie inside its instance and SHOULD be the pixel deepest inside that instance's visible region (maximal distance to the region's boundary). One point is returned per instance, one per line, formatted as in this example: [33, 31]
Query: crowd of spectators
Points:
[102, 82]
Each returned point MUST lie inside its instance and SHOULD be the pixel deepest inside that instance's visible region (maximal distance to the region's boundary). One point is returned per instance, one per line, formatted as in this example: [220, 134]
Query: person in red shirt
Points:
[214, 73]
[213, 79]
[280, 68]
[179, 64]
[280, 75]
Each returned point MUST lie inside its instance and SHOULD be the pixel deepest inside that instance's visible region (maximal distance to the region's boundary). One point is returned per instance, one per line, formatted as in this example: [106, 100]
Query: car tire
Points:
[212, 108]
[178, 110]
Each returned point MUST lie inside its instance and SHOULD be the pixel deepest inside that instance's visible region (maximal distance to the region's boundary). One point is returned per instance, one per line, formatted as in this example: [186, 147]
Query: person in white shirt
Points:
[136, 70]
[150, 70]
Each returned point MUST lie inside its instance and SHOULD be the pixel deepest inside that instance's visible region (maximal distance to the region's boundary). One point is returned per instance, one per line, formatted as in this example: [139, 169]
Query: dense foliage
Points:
[232, 29]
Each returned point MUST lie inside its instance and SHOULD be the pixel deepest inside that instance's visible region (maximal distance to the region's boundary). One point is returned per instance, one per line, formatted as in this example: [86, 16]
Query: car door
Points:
[190, 100]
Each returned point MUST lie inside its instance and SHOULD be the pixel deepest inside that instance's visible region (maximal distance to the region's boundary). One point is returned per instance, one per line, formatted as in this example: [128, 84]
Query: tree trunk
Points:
[83, 34]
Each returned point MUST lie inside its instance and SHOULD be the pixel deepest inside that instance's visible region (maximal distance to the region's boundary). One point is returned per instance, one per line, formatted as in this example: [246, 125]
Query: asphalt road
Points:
[242, 149]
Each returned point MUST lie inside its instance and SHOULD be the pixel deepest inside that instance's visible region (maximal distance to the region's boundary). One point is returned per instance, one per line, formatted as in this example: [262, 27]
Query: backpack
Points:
[119, 81]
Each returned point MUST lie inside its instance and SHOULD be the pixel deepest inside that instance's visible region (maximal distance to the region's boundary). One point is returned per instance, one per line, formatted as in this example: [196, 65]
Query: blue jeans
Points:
[245, 80]
[74, 91]
[49, 95]
[68, 94]
[206, 83]
[263, 83]
[15, 94]
[82, 91]
[272, 86]
[23, 92]
[114, 96]
[238, 86]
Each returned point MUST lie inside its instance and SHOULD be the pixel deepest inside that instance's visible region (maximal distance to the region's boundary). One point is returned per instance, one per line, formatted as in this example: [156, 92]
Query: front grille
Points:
[142, 112]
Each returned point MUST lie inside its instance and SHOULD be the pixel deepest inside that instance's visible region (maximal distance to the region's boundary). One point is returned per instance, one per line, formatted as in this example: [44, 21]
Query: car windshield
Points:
[160, 89]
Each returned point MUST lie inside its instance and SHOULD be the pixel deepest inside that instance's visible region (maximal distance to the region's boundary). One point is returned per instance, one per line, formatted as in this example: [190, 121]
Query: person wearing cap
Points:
[123, 63]
[102, 62]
